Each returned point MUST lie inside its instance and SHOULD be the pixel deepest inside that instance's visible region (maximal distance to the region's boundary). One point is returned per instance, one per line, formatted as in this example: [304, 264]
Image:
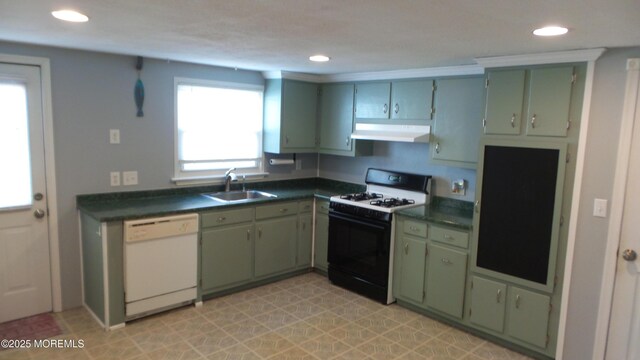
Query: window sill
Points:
[213, 179]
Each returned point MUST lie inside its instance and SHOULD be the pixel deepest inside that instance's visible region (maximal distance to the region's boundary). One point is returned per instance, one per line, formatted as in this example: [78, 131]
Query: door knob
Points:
[39, 213]
[629, 255]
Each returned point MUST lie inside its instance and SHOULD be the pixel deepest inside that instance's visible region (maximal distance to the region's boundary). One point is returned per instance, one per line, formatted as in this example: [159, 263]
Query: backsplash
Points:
[404, 157]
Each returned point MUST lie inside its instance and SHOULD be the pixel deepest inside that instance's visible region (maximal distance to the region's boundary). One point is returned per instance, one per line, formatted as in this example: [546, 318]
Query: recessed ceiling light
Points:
[550, 31]
[319, 58]
[70, 15]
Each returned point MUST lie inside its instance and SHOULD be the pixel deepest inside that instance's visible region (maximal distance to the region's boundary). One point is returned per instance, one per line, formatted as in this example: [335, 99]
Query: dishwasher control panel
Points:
[154, 228]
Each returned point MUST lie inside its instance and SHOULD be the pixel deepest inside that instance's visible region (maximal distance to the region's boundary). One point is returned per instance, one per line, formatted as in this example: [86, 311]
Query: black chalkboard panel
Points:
[516, 214]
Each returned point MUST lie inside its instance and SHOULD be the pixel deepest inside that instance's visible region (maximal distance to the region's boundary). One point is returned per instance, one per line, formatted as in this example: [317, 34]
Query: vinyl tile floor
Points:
[304, 317]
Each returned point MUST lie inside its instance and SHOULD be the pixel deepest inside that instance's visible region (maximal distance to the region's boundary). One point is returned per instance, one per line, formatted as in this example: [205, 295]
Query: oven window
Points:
[360, 247]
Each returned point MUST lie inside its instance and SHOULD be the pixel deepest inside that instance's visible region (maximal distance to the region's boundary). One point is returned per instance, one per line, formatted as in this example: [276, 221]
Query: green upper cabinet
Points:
[544, 92]
[411, 99]
[290, 109]
[505, 96]
[459, 105]
[398, 100]
[550, 101]
[372, 100]
[336, 122]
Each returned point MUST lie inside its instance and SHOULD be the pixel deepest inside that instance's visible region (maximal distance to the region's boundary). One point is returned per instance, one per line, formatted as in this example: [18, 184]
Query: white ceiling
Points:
[359, 35]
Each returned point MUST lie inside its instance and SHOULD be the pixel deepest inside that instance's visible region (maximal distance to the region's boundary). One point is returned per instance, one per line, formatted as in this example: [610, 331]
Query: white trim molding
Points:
[557, 57]
[575, 202]
[50, 169]
[617, 206]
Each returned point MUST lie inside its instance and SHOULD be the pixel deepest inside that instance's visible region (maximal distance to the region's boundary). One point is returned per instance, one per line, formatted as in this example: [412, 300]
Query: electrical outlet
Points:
[114, 136]
[600, 208]
[115, 178]
[129, 178]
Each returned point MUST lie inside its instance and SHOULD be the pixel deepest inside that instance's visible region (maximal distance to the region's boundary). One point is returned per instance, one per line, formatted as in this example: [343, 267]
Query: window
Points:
[218, 127]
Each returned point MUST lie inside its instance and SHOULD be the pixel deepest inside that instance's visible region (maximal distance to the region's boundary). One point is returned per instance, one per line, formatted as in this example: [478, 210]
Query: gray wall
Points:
[602, 146]
[406, 157]
[92, 93]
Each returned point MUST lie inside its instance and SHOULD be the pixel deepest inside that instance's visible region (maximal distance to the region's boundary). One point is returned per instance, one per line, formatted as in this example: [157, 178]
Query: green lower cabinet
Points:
[321, 242]
[488, 300]
[227, 257]
[528, 316]
[446, 275]
[275, 248]
[305, 240]
[412, 268]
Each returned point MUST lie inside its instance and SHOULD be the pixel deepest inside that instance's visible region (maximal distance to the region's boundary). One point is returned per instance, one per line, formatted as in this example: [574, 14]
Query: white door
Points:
[624, 331]
[25, 274]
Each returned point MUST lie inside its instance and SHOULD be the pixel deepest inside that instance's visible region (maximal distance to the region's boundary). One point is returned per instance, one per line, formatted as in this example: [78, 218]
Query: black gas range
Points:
[361, 231]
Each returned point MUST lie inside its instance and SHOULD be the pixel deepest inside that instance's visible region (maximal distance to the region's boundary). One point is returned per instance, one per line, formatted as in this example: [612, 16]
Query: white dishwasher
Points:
[160, 263]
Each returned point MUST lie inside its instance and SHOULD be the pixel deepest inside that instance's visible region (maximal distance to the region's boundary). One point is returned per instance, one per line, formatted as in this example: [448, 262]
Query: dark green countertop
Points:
[443, 211]
[141, 204]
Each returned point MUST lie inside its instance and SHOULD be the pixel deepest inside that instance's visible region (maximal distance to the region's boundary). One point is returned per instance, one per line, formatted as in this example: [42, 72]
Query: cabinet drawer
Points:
[276, 210]
[322, 207]
[220, 218]
[306, 206]
[450, 237]
[415, 228]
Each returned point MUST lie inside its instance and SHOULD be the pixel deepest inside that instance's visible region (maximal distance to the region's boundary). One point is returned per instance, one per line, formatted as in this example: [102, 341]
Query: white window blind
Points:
[218, 126]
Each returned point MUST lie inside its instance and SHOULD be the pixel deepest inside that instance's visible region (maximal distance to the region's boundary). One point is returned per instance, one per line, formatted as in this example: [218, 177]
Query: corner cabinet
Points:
[337, 122]
[290, 109]
[398, 100]
[459, 105]
[538, 99]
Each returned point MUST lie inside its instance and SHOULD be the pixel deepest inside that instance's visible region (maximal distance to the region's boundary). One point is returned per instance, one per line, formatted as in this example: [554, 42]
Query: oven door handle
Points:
[369, 222]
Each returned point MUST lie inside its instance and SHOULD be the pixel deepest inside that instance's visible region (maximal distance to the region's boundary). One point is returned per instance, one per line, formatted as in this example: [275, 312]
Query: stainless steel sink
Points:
[237, 196]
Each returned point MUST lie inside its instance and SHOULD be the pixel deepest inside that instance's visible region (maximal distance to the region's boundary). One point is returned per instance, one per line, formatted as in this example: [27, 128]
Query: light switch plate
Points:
[129, 178]
[600, 208]
[114, 177]
[114, 136]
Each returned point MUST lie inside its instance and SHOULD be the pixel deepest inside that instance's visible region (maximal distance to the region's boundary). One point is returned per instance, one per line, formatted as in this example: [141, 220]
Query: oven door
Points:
[360, 247]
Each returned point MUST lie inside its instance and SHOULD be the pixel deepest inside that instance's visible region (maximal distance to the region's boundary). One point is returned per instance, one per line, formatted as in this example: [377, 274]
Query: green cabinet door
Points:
[488, 303]
[275, 245]
[299, 114]
[549, 101]
[336, 117]
[459, 105]
[411, 100]
[372, 100]
[226, 256]
[412, 268]
[528, 316]
[305, 239]
[505, 96]
[446, 275]
[321, 237]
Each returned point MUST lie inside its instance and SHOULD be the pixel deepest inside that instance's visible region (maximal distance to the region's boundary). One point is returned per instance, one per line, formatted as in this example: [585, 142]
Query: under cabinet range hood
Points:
[392, 132]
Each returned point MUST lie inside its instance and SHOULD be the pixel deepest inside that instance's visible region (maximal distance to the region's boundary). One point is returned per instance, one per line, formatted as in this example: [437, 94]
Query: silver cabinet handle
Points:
[221, 219]
[437, 148]
[283, 210]
[259, 233]
[517, 301]
[396, 108]
[533, 121]
[476, 206]
[448, 237]
[385, 108]
[248, 235]
[498, 295]
[348, 140]
[406, 248]
[513, 120]
[39, 213]
[446, 261]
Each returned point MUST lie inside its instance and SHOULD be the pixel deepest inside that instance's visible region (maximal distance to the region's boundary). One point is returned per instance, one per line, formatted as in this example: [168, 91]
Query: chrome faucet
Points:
[229, 176]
